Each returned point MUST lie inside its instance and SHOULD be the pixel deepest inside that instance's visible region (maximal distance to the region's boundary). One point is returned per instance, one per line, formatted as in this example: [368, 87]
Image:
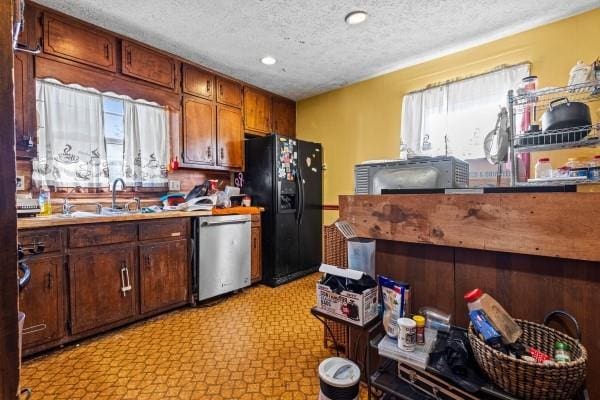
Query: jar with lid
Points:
[420, 329]
[577, 167]
[594, 169]
[562, 352]
[543, 169]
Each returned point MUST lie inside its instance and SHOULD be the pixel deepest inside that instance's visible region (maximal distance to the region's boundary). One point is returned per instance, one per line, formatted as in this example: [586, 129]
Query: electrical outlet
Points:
[174, 185]
[20, 182]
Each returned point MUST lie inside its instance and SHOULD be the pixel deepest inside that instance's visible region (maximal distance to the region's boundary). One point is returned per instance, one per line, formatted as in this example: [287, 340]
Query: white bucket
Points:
[340, 379]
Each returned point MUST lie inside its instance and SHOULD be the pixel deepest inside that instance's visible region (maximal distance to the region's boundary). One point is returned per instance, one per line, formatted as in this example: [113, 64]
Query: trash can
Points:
[339, 379]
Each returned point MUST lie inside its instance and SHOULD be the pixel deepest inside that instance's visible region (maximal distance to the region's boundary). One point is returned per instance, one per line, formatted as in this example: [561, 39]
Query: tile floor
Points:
[260, 344]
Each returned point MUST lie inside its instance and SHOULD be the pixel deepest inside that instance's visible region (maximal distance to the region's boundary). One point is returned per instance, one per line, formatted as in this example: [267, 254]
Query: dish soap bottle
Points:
[44, 200]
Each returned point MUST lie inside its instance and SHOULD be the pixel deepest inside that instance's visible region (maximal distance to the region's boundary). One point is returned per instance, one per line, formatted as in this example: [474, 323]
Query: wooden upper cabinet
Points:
[284, 116]
[198, 131]
[257, 111]
[198, 82]
[142, 63]
[230, 137]
[78, 42]
[229, 92]
[25, 117]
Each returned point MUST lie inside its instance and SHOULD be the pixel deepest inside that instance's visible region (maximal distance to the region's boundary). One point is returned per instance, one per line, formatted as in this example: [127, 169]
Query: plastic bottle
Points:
[594, 169]
[420, 331]
[44, 200]
[495, 313]
[543, 169]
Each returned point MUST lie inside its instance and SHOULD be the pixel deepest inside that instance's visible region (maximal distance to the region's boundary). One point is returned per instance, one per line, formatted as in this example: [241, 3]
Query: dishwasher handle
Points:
[228, 222]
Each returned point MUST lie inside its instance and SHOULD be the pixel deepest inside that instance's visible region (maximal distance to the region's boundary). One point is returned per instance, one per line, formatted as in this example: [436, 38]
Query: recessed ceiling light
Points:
[356, 17]
[268, 60]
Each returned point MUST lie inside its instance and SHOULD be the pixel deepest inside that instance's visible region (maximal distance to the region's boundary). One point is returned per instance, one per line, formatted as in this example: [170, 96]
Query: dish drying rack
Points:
[536, 103]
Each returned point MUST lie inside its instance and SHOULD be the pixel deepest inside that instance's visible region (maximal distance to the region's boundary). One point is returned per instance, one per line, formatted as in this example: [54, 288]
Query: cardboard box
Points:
[356, 308]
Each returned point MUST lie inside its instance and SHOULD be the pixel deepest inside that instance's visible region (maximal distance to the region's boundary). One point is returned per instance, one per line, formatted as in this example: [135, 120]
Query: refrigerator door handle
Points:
[301, 195]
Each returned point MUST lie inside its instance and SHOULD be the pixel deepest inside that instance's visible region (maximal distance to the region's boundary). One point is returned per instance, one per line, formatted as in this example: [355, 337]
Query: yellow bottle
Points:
[45, 206]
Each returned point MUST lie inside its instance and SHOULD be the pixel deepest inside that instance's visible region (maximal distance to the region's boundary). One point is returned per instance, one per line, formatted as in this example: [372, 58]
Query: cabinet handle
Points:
[208, 85]
[222, 154]
[106, 48]
[49, 280]
[147, 258]
[221, 89]
[125, 282]
[208, 153]
[129, 57]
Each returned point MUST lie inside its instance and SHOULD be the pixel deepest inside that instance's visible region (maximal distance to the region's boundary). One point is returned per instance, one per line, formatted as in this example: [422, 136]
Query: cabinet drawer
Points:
[143, 63]
[51, 239]
[94, 235]
[171, 228]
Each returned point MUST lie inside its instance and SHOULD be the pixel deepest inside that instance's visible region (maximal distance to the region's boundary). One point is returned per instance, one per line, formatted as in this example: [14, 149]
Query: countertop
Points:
[58, 220]
[561, 225]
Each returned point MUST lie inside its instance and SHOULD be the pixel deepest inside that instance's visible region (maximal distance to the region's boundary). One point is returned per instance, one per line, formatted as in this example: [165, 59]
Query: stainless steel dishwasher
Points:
[222, 254]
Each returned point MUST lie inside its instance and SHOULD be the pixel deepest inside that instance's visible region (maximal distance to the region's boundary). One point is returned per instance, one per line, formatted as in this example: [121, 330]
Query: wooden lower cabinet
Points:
[255, 250]
[163, 274]
[42, 301]
[102, 286]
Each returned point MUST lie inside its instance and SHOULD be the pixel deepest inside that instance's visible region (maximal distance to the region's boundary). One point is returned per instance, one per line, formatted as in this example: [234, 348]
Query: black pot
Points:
[563, 114]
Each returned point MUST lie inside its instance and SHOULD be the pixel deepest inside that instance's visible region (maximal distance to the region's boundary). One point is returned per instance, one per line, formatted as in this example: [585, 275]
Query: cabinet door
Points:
[25, 120]
[229, 92]
[198, 82]
[143, 63]
[163, 274]
[198, 131]
[78, 42]
[102, 286]
[230, 137]
[256, 255]
[42, 301]
[284, 117]
[257, 111]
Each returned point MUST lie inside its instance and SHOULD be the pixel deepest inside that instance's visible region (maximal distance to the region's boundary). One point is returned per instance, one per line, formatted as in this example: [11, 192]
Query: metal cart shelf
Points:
[536, 103]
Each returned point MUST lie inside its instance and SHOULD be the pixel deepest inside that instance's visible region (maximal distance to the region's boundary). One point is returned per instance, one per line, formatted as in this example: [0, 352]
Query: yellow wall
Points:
[362, 121]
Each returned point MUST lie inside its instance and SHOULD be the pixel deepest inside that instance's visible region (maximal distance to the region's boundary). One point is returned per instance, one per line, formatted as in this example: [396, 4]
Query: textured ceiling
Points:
[315, 49]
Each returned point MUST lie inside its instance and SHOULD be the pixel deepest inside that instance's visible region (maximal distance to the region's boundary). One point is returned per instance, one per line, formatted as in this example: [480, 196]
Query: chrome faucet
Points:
[68, 207]
[114, 193]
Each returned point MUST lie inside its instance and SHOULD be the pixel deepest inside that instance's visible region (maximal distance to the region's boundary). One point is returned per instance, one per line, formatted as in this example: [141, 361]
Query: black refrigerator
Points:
[285, 176]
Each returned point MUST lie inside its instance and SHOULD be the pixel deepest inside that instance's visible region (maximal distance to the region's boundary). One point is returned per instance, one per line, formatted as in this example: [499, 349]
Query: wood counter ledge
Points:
[565, 225]
[57, 220]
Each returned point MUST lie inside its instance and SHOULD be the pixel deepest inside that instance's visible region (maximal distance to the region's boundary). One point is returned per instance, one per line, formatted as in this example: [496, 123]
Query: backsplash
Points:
[88, 201]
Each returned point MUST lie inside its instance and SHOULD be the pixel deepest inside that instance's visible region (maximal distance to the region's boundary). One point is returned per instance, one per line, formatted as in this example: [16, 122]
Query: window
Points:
[114, 121]
[454, 118]
[88, 139]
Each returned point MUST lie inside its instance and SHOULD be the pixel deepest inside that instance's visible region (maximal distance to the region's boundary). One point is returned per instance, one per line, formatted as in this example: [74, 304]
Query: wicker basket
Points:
[530, 380]
[335, 253]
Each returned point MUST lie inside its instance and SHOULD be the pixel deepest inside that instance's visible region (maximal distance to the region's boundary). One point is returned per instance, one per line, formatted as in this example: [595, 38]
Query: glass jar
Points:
[562, 352]
[543, 169]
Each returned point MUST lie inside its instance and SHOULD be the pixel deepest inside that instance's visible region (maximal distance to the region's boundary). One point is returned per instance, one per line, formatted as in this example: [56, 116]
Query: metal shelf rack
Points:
[537, 103]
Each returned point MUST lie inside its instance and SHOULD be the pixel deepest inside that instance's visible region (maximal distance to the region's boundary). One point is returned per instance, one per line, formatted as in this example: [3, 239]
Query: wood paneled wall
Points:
[527, 286]
[9, 357]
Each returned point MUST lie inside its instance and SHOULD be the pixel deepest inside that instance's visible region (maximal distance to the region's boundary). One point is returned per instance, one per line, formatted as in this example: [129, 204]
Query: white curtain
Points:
[454, 118]
[146, 144]
[71, 144]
